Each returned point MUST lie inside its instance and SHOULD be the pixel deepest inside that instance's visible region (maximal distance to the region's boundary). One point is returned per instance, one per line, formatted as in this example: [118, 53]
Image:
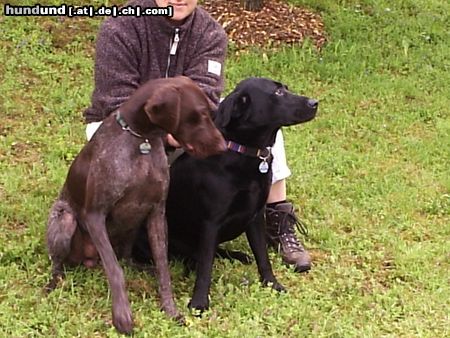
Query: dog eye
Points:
[279, 92]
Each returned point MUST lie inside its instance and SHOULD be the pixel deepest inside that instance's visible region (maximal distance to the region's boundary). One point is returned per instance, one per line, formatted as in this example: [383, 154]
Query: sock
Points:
[272, 205]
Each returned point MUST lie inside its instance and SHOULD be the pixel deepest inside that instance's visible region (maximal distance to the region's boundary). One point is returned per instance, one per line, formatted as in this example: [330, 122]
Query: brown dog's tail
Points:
[61, 227]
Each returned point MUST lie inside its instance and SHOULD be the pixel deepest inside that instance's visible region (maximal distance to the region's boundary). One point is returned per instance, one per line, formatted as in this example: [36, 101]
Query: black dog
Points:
[215, 200]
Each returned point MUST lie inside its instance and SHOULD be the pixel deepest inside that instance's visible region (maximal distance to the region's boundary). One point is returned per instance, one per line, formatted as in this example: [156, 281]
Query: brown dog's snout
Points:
[313, 104]
[220, 141]
[203, 140]
[212, 145]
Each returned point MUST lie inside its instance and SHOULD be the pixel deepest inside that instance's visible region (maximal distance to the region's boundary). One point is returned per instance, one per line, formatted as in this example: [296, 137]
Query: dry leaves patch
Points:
[277, 23]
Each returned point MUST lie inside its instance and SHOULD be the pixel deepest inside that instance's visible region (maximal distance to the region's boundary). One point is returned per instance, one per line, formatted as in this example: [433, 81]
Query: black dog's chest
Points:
[219, 195]
[242, 210]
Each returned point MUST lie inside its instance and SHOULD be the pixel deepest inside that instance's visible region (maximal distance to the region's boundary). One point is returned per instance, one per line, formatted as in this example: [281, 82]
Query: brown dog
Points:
[120, 180]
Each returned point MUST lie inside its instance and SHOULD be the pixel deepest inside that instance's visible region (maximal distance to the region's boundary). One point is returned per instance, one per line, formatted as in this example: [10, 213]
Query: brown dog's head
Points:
[179, 106]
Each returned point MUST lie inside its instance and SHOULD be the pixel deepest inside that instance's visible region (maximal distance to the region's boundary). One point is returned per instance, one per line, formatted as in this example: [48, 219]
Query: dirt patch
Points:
[276, 24]
[66, 31]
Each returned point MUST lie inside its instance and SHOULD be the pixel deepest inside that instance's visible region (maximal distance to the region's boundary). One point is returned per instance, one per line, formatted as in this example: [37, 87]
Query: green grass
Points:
[371, 177]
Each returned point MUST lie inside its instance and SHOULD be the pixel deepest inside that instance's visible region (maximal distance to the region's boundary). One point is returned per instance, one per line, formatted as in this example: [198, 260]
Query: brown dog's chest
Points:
[125, 184]
[133, 208]
[144, 191]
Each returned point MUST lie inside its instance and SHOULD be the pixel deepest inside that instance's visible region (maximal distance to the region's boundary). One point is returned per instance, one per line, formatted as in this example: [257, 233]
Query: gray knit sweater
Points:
[132, 50]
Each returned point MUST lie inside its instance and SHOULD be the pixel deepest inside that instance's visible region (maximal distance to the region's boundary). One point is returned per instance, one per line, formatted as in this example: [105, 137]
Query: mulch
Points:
[278, 23]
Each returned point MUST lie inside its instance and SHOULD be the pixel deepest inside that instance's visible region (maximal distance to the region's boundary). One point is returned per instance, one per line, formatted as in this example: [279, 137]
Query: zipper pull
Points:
[173, 48]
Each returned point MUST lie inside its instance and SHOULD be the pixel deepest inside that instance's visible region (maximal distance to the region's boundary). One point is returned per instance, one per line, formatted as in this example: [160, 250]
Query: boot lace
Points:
[286, 230]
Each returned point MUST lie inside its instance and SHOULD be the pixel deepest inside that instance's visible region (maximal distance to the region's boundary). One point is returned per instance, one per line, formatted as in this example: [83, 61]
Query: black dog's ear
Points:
[233, 106]
[224, 111]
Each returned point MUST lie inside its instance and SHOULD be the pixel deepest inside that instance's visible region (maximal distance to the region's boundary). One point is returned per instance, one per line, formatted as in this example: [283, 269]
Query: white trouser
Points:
[280, 170]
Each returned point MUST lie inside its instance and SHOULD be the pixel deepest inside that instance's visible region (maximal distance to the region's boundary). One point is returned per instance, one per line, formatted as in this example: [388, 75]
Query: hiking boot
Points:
[280, 233]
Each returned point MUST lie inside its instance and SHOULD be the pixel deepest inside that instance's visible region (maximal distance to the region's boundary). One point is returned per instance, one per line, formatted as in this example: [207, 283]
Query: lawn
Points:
[371, 178]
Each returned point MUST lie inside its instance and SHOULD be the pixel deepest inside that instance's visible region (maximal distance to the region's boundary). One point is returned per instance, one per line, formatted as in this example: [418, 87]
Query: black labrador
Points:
[214, 200]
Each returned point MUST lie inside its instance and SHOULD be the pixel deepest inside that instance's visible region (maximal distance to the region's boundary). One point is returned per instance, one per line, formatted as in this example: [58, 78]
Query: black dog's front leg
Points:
[257, 240]
[208, 247]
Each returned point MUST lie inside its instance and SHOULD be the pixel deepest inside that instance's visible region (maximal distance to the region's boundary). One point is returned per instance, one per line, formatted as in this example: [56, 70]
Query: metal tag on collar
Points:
[145, 147]
[264, 165]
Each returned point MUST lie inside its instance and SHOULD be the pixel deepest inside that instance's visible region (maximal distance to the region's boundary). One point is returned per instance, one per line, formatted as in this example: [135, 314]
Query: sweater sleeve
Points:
[206, 68]
[116, 68]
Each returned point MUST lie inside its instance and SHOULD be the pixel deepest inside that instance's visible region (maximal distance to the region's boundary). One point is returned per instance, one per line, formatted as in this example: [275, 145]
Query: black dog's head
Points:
[258, 107]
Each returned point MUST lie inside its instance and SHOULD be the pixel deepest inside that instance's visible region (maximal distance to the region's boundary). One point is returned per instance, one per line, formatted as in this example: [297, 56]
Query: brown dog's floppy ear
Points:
[163, 108]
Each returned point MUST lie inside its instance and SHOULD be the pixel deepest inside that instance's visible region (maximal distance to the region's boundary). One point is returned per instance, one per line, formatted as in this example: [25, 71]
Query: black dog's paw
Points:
[198, 307]
[278, 287]
[234, 255]
[241, 257]
[274, 285]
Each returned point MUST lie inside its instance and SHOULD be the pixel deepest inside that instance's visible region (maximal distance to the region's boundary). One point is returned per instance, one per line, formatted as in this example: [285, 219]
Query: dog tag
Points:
[264, 167]
[145, 147]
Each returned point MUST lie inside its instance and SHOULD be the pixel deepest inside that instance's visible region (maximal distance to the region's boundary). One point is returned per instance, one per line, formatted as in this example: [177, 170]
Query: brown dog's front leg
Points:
[122, 319]
[157, 235]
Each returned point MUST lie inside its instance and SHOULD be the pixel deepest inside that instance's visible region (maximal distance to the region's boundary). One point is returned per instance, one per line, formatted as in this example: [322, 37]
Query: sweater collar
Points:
[166, 25]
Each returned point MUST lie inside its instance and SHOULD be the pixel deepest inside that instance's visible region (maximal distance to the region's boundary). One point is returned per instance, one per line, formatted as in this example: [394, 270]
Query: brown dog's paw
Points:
[123, 320]
[56, 279]
[173, 313]
[180, 319]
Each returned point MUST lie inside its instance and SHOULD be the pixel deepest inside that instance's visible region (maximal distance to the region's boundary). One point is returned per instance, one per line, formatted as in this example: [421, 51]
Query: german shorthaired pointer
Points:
[119, 181]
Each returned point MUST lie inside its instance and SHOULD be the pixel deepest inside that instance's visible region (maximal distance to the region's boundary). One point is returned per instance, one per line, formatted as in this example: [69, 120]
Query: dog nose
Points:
[312, 103]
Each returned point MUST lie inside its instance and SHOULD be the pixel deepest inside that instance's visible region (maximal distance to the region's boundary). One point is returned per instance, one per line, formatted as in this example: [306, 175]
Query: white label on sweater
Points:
[214, 67]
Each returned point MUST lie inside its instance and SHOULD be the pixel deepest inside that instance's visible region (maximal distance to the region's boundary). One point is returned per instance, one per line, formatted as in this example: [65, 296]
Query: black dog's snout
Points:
[312, 103]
